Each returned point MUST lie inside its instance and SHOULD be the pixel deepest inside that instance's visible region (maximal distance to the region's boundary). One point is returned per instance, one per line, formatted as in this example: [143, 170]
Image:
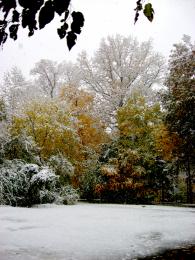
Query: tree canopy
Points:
[98, 125]
[36, 14]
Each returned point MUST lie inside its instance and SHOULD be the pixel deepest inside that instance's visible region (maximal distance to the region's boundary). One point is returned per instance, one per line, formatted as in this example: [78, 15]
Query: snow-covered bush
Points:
[24, 184]
[62, 167]
[43, 186]
[14, 183]
[20, 146]
[68, 196]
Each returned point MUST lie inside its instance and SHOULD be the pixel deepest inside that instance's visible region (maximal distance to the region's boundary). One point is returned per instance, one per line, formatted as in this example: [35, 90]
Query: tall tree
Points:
[48, 75]
[121, 66]
[180, 104]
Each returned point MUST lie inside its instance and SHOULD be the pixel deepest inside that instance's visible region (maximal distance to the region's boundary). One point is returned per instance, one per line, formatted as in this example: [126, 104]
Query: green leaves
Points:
[149, 12]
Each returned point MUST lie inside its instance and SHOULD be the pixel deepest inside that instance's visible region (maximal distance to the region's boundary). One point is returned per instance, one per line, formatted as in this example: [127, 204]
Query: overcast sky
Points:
[173, 18]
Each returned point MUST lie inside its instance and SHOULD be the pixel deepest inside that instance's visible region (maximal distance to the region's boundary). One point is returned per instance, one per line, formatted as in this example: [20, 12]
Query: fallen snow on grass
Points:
[92, 231]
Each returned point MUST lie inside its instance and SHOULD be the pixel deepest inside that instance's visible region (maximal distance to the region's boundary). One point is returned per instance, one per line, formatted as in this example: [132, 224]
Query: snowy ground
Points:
[92, 231]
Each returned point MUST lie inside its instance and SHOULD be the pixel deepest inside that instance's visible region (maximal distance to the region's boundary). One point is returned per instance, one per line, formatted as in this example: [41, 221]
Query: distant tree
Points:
[120, 67]
[34, 14]
[15, 90]
[48, 75]
[180, 105]
[70, 75]
[2, 110]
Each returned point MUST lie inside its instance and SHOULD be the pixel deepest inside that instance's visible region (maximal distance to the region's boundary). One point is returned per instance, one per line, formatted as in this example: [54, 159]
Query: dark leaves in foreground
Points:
[29, 13]
[46, 14]
[34, 14]
[148, 10]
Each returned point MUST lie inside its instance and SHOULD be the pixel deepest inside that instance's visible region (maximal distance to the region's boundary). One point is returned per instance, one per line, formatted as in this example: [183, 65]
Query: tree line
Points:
[117, 126]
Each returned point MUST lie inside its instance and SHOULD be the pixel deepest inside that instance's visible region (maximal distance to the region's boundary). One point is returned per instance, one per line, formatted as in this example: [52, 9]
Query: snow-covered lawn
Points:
[92, 231]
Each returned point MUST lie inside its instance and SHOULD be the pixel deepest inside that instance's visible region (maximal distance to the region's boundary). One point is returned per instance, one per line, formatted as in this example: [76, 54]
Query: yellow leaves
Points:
[137, 118]
[66, 126]
[51, 130]
[91, 131]
[89, 128]
[109, 170]
[166, 142]
[79, 100]
[99, 188]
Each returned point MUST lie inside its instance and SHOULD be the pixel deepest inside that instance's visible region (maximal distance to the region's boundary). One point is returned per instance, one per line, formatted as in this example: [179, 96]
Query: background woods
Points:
[117, 126]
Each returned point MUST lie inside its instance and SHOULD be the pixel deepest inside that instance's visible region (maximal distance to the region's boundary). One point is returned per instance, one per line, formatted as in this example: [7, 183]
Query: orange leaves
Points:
[91, 131]
[88, 126]
[80, 101]
[109, 170]
[166, 142]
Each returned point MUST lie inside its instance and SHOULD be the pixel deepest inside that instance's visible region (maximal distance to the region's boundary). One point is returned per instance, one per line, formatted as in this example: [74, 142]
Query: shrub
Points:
[24, 184]
[62, 167]
[68, 195]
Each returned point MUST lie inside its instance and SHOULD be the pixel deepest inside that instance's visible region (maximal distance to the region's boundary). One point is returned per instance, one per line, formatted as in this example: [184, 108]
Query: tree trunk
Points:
[189, 182]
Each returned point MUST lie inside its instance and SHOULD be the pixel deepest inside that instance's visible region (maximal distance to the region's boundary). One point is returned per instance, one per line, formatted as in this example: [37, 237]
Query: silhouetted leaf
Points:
[61, 6]
[66, 15]
[71, 40]
[149, 11]
[15, 16]
[31, 4]
[3, 23]
[28, 19]
[3, 36]
[13, 29]
[7, 6]
[78, 22]
[78, 17]
[62, 30]
[46, 14]
[25, 4]
[75, 27]
[138, 8]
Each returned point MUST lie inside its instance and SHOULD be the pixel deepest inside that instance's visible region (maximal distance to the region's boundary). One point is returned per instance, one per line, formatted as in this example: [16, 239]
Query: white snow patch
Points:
[92, 231]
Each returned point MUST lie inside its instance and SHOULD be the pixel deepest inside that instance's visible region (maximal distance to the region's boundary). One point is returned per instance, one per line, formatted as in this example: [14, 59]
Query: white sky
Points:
[173, 18]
